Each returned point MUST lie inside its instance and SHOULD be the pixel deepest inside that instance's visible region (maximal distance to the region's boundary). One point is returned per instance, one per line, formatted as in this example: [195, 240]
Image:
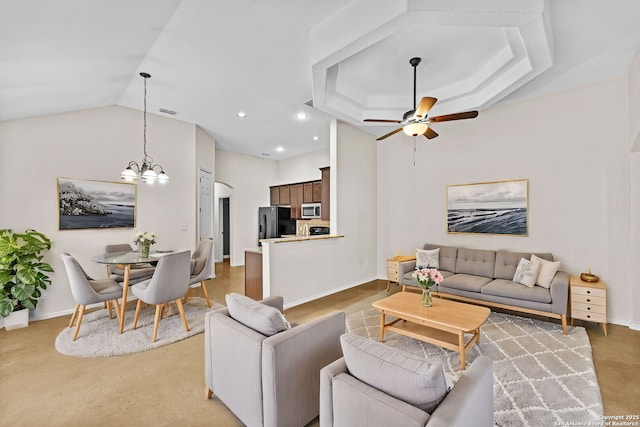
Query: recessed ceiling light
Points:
[302, 116]
[241, 114]
[279, 149]
[316, 138]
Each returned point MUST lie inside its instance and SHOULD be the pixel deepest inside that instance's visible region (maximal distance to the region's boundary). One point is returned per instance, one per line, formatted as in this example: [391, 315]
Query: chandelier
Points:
[146, 169]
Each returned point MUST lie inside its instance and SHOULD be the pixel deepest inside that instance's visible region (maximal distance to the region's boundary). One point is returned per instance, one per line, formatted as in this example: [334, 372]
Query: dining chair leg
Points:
[108, 307]
[159, 308]
[182, 315]
[206, 294]
[80, 315]
[186, 296]
[117, 306]
[73, 316]
[135, 316]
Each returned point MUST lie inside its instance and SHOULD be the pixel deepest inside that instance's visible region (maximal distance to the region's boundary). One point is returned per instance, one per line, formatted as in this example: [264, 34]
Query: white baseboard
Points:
[326, 293]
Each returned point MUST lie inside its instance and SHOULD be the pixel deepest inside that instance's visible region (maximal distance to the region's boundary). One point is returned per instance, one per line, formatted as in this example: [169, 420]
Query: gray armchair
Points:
[274, 380]
[346, 400]
[137, 273]
[169, 283]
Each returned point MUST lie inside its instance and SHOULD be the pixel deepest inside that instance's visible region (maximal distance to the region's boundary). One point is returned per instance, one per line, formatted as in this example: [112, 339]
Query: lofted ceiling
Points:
[272, 59]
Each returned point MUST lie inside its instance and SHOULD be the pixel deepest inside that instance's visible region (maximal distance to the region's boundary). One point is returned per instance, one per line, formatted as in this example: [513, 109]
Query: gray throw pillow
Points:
[260, 317]
[394, 372]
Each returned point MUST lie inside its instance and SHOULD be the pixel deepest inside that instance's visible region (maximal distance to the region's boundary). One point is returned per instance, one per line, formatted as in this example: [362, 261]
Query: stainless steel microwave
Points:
[310, 210]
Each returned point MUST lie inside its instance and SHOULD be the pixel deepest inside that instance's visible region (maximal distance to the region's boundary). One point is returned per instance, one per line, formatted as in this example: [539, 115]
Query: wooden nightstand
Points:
[588, 301]
[393, 266]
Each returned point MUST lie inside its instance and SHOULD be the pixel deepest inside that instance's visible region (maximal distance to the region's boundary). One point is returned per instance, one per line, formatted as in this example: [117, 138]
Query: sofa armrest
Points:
[233, 355]
[560, 292]
[327, 374]
[470, 402]
[291, 364]
[404, 268]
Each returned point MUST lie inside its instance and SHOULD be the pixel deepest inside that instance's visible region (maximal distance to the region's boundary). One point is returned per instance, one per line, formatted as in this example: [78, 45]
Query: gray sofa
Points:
[485, 277]
[375, 385]
[269, 380]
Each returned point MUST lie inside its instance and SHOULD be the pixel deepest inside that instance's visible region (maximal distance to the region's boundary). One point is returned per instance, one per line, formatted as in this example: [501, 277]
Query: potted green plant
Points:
[23, 275]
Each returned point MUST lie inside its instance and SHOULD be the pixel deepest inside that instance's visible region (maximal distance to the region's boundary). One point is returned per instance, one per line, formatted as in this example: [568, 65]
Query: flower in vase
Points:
[145, 239]
[427, 277]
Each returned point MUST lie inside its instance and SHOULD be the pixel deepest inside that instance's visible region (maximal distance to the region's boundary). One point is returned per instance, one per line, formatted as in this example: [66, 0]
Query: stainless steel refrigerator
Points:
[274, 222]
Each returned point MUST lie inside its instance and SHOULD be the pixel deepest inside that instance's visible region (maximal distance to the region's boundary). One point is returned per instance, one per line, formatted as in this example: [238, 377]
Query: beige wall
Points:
[573, 149]
[94, 144]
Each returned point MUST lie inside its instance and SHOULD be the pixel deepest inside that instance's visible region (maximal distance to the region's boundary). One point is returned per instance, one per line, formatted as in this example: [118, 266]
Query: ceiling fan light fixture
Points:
[415, 129]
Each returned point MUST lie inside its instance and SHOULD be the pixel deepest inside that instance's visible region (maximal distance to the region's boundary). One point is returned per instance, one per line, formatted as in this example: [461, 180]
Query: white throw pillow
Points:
[527, 272]
[548, 270]
[258, 316]
[428, 258]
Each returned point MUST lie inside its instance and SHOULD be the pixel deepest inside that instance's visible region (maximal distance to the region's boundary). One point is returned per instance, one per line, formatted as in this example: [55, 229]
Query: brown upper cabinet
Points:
[317, 191]
[284, 195]
[275, 195]
[296, 196]
[308, 192]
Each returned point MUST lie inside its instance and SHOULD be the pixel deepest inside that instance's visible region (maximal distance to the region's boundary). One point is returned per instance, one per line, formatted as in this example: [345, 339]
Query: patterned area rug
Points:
[99, 336]
[541, 377]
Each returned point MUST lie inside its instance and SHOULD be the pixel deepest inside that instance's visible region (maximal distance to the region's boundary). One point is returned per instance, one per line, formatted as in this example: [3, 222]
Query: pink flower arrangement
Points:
[427, 277]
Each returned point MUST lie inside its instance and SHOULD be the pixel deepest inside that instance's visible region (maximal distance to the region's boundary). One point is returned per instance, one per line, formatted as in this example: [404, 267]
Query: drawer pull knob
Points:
[588, 299]
[588, 316]
[589, 292]
[588, 308]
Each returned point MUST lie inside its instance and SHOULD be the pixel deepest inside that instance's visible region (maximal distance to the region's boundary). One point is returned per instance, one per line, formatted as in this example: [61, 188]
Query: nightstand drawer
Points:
[579, 290]
[590, 308]
[392, 274]
[588, 299]
[592, 317]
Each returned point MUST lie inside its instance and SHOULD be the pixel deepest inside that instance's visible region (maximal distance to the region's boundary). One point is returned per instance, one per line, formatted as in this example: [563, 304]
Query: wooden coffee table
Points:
[443, 324]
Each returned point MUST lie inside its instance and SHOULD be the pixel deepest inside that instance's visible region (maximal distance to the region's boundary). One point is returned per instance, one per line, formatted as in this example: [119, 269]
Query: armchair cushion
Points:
[396, 373]
[260, 317]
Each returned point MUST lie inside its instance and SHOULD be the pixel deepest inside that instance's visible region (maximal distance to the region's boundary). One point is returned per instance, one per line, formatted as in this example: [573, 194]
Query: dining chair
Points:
[137, 273]
[168, 283]
[201, 268]
[86, 290]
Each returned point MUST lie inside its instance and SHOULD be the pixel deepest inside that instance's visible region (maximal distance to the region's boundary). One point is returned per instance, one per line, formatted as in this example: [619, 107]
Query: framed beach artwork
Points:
[489, 208]
[84, 204]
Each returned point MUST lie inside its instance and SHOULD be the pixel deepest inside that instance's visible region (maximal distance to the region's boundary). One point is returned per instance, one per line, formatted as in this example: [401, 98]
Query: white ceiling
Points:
[210, 59]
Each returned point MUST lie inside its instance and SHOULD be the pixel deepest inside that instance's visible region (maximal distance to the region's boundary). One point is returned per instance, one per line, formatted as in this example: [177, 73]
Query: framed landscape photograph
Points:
[86, 204]
[489, 208]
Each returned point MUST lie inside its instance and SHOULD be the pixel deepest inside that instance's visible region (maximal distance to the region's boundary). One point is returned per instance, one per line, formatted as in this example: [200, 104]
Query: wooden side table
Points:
[393, 266]
[588, 301]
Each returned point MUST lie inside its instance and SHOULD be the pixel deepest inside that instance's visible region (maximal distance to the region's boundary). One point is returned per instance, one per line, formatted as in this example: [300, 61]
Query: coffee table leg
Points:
[463, 362]
[478, 336]
[382, 326]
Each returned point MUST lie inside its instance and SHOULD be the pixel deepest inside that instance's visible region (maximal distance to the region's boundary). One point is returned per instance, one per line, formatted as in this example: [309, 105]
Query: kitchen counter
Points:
[293, 238]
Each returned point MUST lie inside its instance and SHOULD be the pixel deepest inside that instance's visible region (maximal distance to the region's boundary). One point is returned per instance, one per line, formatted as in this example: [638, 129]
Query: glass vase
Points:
[144, 251]
[427, 299]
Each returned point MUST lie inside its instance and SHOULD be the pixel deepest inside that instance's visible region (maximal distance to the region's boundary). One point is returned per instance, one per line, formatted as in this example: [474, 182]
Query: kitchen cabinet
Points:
[275, 195]
[284, 195]
[308, 192]
[317, 191]
[296, 196]
[325, 196]
[253, 274]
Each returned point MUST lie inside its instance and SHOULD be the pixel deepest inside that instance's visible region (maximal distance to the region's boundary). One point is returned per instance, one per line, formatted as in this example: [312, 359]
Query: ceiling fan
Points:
[416, 122]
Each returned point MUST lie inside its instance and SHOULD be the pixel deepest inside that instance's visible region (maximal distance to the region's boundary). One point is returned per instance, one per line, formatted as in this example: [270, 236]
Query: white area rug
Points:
[99, 336]
[541, 377]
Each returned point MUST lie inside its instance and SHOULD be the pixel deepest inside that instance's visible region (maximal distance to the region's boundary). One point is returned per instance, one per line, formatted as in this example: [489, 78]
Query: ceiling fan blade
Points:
[383, 121]
[389, 134]
[430, 133]
[457, 116]
[425, 106]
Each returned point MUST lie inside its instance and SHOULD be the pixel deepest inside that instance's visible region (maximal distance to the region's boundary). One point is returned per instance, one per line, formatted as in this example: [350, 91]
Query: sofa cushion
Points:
[448, 255]
[260, 317]
[396, 373]
[510, 289]
[548, 270]
[428, 258]
[507, 262]
[527, 272]
[466, 282]
[479, 262]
